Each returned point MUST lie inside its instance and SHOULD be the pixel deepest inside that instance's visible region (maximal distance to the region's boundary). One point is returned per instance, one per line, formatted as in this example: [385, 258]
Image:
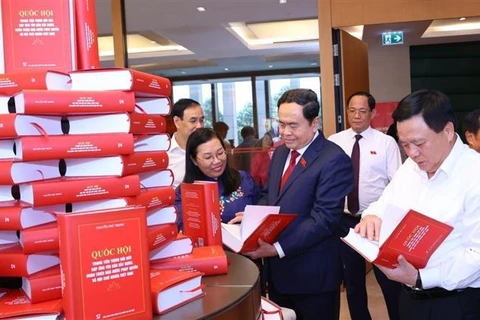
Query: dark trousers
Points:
[463, 305]
[319, 306]
[354, 279]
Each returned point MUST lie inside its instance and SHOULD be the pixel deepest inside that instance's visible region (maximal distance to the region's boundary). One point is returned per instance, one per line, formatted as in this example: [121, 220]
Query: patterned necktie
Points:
[352, 199]
[293, 159]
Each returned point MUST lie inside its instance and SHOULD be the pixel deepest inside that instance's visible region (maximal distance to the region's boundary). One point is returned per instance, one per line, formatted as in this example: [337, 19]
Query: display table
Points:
[233, 296]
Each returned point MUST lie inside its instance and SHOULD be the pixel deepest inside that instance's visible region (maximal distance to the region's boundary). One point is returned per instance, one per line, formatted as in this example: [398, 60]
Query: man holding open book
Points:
[440, 180]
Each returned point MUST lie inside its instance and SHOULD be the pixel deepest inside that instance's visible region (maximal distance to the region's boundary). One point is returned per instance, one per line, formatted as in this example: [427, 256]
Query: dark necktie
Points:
[352, 199]
[293, 159]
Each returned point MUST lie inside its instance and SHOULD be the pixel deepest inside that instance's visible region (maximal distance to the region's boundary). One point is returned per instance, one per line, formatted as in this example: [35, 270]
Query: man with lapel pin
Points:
[309, 176]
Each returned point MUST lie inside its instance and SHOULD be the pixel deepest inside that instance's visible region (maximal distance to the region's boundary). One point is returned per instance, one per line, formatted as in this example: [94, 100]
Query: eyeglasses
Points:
[209, 158]
[361, 112]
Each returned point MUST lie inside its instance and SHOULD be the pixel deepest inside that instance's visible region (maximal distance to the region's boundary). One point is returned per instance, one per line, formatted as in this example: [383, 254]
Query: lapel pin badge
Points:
[303, 163]
[373, 152]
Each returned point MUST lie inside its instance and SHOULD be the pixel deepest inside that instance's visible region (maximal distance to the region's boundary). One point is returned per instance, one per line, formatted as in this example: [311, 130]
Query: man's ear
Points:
[449, 131]
[470, 137]
[176, 121]
[315, 124]
[374, 112]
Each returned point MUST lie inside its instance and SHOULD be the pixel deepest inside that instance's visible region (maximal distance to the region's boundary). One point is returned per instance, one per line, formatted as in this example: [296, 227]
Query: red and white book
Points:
[11, 83]
[6, 194]
[270, 310]
[68, 146]
[154, 197]
[210, 260]
[43, 36]
[15, 304]
[60, 102]
[161, 235]
[7, 104]
[172, 289]
[42, 286]
[8, 237]
[141, 123]
[156, 179]
[21, 172]
[75, 190]
[86, 32]
[180, 246]
[138, 162]
[15, 263]
[104, 257]
[143, 84]
[76, 207]
[147, 143]
[17, 125]
[43, 238]
[161, 106]
[18, 216]
[161, 215]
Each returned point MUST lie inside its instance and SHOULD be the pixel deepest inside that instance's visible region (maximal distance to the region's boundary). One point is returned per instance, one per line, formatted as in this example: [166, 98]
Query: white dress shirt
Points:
[451, 196]
[176, 161]
[379, 160]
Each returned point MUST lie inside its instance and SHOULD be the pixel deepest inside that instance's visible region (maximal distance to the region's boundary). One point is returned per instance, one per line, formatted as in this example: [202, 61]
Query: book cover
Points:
[86, 35]
[143, 84]
[44, 285]
[161, 106]
[158, 142]
[43, 238]
[70, 146]
[100, 263]
[11, 83]
[154, 197]
[141, 123]
[210, 260]
[172, 289]
[416, 237]
[201, 212]
[75, 190]
[181, 245]
[17, 125]
[61, 102]
[18, 216]
[15, 263]
[39, 34]
[259, 222]
[28, 171]
[138, 162]
[161, 215]
[14, 304]
[161, 235]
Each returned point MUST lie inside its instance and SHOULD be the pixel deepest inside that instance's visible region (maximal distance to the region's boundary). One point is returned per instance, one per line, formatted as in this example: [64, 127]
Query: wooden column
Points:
[119, 33]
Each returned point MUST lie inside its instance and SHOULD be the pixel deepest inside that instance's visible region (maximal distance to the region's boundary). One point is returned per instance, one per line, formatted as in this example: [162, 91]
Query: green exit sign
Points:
[391, 38]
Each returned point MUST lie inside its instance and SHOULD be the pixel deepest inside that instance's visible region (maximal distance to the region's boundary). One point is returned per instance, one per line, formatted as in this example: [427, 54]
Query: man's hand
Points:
[264, 250]
[369, 227]
[405, 272]
[238, 218]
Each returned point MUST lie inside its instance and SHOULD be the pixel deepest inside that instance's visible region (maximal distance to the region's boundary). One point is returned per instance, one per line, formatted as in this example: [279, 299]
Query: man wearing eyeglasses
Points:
[187, 116]
[375, 158]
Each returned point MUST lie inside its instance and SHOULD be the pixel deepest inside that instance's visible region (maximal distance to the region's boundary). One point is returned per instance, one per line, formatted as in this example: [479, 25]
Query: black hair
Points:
[230, 178]
[370, 98]
[304, 97]
[472, 121]
[179, 107]
[248, 131]
[434, 106]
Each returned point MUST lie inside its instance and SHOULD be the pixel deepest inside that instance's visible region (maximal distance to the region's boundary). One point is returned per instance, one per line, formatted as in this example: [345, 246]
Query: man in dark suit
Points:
[304, 264]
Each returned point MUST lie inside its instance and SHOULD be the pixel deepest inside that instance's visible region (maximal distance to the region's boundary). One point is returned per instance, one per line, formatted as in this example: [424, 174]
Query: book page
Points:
[253, 216]
[392, 217]
[368, 249]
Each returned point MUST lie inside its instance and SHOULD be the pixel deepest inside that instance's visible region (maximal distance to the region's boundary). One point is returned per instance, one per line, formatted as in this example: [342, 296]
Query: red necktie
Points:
[293, 161]
[352, 199]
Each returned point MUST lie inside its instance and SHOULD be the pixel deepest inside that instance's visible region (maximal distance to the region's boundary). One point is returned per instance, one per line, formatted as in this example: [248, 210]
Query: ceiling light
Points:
[283, 1]
[462, 18]
[270, 66]
[136, 44]
[226, 69]
[452, 27]
[182, 72]
[201, 9]
[313, 64]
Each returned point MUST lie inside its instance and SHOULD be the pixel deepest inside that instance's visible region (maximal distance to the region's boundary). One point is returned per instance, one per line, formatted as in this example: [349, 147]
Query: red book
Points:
[86, 32]
[41, 79]
[158, 142]
[21, 172]
[161, 215]
[37, 35]
[143, 84]
[416, 237]
[73, 102]
[40, 238]
[161, 235]
[156, 179]
[75, 190]
[201, 212]
[154, 197]
[270, 310]
[15, 263]
[160, 106]
[210, 260]
[18, 216]
[104, 257]
[8, 237]
[141, 123]
[172, 289]
[14, 304]
[16, 125]
[70, 146]
[6, 193]
[44, 285]
[181, 245]
[138, 162]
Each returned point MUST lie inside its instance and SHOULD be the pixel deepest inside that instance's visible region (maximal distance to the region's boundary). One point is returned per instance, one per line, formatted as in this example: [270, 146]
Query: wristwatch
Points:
[418, 283]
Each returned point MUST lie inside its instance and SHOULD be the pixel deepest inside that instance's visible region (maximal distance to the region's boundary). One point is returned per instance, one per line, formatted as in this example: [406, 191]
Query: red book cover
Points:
[44, 285]
[42, 79]
[210, 260]
[201, 212]
[141, 123]
[72, 146]
[154, 197]
[38, 35]
[15, 263]
[161, 106]
[60, 102]
[138, 162]
[416, 237]
[143, 84]
[86, 31]
[161, 215]
[181, 245]
[100, 263]
[21, 172]
[172, 289]
[14, 304]
[158, 142]
[18, 216]
[75, 190]
[160, 235]
[40, 238]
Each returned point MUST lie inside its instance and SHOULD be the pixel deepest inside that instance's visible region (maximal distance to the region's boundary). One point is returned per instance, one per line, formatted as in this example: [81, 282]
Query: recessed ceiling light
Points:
[270, 66]
[283, 1]
[313, 64]
[182, 72]
[201, 9]
[226, 69]
[462, 18]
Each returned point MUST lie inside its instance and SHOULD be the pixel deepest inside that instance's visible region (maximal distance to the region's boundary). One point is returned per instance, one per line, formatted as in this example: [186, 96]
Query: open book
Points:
[415, 236]
[263, 222]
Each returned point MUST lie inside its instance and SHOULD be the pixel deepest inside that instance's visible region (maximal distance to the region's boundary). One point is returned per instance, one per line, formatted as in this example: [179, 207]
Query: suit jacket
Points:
[315, 191]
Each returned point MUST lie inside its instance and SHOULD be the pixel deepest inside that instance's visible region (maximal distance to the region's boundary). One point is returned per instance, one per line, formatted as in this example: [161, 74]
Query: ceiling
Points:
[216, 51]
